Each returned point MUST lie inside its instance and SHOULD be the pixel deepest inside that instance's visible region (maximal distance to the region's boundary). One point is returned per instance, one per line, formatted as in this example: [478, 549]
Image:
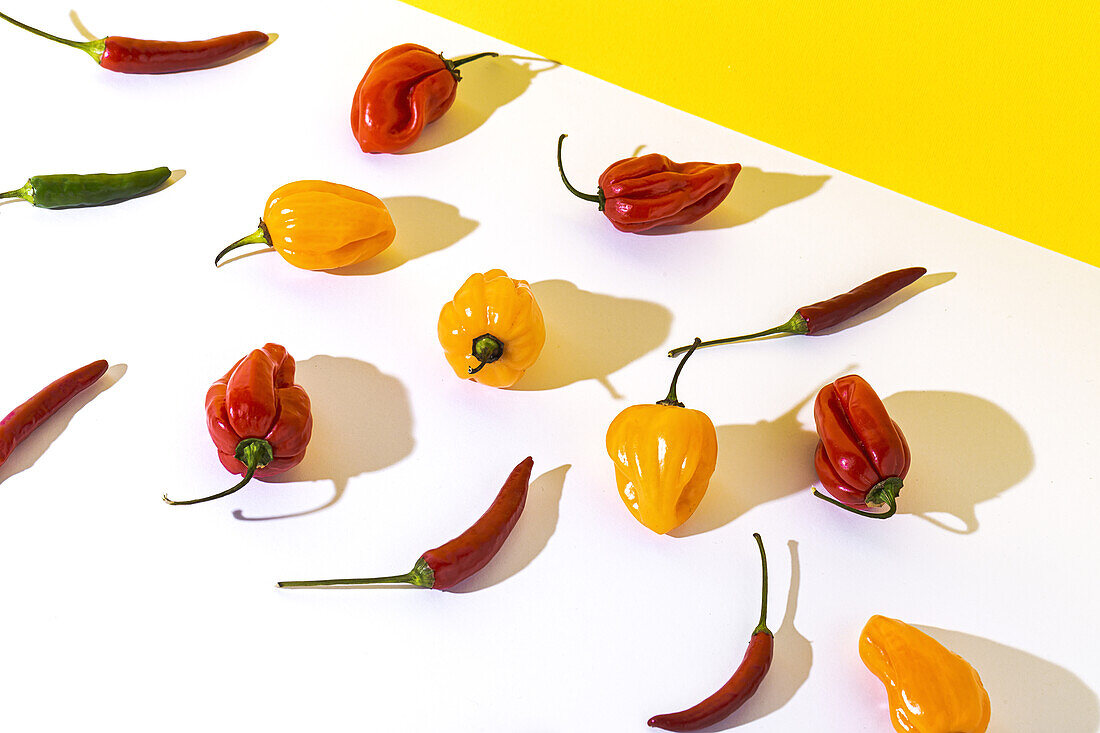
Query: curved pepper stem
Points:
[597, 198]
[260, 236]
[253, 453]
[452, 66]
[422, 576]
[762, 627]
[671, 400]
[486, 348]
[19, 193]
[884, 492]
[796, 325]
[94, 49]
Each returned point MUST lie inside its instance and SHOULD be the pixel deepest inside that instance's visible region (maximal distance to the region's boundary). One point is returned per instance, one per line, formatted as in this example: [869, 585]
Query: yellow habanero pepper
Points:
[317, 225]
[664, 456]
[492, 330]
[930, 688]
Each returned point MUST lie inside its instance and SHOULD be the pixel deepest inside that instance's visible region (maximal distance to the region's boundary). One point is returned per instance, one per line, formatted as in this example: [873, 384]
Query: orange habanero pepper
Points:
[317, 225]
[492, 330]
[664, 456]
[930, 688]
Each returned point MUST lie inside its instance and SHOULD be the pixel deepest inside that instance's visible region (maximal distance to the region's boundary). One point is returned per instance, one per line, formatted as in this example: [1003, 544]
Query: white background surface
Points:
[120, 610]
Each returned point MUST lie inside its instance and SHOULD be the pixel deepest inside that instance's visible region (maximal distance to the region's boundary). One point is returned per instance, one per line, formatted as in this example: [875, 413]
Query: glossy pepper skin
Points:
[453, 562]
[664, 455]
[140, 56]
[405, 88]
[930, 688]
[72, 190]
[492, 331]
[317, 225]
[861, 456]
[637, 194]
[258, 418]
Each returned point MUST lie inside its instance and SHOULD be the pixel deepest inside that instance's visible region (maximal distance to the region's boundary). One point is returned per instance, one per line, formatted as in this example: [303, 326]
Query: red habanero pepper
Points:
[637, 194]
[862, 456]
[744, 682]
[138, 56]
[258, 418]
[810, 320]
[449, 564]
[22, 421]
[405, 88]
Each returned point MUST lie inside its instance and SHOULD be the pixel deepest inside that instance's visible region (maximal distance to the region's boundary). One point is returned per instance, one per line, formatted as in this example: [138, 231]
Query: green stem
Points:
[254, 453]
[797, 325]
[762, 627]
[671, 399]
[884, 492]
[92, 48]
[11, 194]
[486, 348]
[260, 236]
[597, 198]
[421, 576]
[459, 62]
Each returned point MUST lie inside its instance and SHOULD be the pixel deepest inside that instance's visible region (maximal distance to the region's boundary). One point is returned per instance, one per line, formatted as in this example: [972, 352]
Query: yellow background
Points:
[988, 110]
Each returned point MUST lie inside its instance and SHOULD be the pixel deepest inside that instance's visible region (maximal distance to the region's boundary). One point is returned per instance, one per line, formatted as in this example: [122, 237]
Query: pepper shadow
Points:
[757, 463]
[792, 657]
[362, 422]
[754, 193]
[487, 85]
[591, 336]
[36, 444]
[424, 226]
[965, 450]
[1026, 692]
[530, 535]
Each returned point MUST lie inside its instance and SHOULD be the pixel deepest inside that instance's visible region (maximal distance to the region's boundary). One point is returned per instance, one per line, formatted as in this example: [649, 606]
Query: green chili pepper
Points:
[64, 191]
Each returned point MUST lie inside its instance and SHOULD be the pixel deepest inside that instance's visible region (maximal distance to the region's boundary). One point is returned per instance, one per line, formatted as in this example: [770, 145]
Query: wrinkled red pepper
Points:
[404, 89]
[258, 418]
[637, 194]
[862, 456]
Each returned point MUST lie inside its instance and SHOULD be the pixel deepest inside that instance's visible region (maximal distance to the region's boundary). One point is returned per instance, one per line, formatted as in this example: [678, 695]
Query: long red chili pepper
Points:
[22, 421]
[744, 682]
[449, 564]
[810, 320]
[138, 56]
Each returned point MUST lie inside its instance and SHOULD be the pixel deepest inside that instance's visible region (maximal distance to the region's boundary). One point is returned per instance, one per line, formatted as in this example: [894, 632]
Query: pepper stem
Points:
[884, 492]
[597, 198]
[671, 399]
[762, 627]
[92, 48]
[253, 453]
[467, 59]
[796, 325]
[421, 576]
[260, 236]
[486, 348]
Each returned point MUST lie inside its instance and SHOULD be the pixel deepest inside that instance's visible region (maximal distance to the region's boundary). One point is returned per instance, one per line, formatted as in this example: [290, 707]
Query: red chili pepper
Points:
[22, 421]
[809, 320]
[744, 682]
[862, 456]
[258, 418]
[404, 89]
[137, 56]
[449, 564]
[637, 194]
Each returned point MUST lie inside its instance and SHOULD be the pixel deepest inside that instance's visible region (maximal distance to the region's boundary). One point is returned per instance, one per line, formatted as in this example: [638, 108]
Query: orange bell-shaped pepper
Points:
[664, 456]
[317, 225]
[930, 688]
[492, 331]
